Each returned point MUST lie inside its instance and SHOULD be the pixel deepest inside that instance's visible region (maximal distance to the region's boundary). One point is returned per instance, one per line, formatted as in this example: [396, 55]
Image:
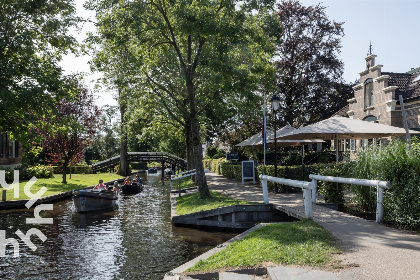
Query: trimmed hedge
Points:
[26, 173]
[84, 169]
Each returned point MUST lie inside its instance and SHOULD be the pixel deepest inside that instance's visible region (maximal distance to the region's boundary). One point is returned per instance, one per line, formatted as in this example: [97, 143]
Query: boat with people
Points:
[132, 186]
[98, 198]
[152, 170]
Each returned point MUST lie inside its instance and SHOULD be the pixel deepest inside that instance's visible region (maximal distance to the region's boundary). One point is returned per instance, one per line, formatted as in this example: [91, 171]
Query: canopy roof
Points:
[257, 141]
[344, 128]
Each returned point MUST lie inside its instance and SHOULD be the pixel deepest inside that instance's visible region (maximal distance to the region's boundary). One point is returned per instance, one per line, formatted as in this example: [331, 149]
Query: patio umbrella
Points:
[337, 128]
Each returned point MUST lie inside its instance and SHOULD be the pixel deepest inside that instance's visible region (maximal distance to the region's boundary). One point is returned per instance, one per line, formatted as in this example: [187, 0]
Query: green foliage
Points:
[191, 203]
[401, 167]
[296, 172]
[73, 169]
[232, 171]
[26, 173]
[297, 243]
[333, 192]
[215, 153]
[33, 37]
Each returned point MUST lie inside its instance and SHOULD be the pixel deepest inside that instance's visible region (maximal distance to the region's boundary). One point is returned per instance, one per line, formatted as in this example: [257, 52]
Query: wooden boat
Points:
[131, 189]
[152, 170]
[94, 200]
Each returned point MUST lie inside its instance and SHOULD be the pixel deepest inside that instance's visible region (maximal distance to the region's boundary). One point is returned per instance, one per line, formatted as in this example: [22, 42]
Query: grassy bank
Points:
[297, 243]
[191, 203]
[55, 186]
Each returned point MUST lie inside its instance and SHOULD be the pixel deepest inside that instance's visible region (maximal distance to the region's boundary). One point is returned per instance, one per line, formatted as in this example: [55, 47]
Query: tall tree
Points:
[33, 37]
[188, 54]
[66, 134]
[308, 66]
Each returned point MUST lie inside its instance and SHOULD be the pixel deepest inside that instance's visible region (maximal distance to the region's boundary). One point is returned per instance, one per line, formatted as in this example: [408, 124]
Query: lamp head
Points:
[275, 102]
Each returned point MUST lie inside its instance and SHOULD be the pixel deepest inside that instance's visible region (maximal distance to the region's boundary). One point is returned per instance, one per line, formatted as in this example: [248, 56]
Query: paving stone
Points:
[235, 276]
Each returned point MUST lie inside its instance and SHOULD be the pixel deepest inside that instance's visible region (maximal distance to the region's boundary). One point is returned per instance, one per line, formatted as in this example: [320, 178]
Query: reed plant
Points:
[400, 165]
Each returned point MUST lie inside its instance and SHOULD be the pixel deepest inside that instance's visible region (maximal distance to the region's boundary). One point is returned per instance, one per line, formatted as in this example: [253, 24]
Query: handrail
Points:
[380, 186]
[184, 174]
[164, 156]
[307, 188]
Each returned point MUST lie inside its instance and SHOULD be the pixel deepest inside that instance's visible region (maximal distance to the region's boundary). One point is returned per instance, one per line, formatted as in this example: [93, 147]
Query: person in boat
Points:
[127, 181]
[116, 187]
[139, 181]
[134, 182]
[100, 186]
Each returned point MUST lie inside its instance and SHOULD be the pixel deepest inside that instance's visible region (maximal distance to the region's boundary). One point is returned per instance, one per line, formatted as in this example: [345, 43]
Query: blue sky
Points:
[391, 25]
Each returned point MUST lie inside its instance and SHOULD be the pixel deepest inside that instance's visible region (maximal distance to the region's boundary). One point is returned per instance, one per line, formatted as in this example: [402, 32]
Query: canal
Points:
[135, 241]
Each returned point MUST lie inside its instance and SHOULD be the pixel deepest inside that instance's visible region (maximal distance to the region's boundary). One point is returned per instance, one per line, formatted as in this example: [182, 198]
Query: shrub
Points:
[333, 192]
[400, 166]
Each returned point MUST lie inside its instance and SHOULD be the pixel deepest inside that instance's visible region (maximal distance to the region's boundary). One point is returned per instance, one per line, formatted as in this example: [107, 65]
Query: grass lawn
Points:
[186, 183]
[297, 243]
[191, 203]
[55, 186]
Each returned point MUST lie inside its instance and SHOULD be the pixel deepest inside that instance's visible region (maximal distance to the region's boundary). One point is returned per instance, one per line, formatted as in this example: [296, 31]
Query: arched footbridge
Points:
[161, 157]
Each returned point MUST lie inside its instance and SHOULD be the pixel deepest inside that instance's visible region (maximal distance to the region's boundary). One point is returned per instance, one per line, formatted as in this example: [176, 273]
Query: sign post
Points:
[248, 170]
[232, 156]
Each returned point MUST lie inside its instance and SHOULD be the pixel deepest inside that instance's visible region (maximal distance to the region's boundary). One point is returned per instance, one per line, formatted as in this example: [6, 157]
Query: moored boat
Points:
[94, 200]
[152, 170]
[131, 189]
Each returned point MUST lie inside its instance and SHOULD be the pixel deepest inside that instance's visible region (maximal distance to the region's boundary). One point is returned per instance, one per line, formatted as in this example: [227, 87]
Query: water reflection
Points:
[135, 241]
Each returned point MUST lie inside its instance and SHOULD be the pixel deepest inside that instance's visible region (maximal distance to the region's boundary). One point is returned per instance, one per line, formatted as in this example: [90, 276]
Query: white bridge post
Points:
[265, 191]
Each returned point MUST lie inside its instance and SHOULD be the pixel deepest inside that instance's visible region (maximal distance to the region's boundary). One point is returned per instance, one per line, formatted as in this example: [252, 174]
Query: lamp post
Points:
[275, 102]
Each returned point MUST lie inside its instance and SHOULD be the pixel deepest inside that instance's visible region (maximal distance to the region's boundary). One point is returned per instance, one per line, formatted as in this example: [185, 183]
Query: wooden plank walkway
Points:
[370, 250]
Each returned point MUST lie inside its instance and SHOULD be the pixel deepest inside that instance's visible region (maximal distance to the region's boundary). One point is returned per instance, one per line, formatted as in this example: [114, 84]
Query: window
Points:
[368, 93]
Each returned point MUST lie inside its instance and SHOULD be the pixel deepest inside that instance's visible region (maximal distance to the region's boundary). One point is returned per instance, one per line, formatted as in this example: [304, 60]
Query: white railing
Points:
[306, 187]
[177, 177]
[380, 186]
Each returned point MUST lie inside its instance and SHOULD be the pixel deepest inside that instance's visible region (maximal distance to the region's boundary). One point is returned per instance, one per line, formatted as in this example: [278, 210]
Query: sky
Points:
[391, 25]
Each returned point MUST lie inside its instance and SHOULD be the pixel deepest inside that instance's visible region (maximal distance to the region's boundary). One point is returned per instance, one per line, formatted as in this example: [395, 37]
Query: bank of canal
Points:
[136, 241]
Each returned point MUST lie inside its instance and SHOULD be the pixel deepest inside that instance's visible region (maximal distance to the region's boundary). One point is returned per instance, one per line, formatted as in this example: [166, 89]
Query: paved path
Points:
[371, 251]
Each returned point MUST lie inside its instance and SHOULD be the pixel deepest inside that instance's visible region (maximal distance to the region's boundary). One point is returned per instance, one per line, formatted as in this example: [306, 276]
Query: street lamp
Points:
[275, 102]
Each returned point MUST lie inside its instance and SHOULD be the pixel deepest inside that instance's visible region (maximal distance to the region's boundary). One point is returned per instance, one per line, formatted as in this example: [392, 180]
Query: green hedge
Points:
[26, 173]
[74, 169]
[400, 166]
[394, 162]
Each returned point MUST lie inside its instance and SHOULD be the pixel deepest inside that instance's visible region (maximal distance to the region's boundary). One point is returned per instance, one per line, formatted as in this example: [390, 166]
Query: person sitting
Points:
[100, 186]
[116, 187]
[127, 181]
[139, 181]
[134, 182]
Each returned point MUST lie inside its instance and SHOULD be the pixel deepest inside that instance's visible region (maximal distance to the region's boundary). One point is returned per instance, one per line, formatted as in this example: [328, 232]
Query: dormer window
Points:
[368, 93]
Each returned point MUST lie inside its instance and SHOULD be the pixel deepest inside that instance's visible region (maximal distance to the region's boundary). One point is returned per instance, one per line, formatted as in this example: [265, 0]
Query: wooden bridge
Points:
[161, 157]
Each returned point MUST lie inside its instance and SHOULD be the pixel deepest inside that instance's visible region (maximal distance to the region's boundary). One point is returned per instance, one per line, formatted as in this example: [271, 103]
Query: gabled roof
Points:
[408, 83]
[343, 111]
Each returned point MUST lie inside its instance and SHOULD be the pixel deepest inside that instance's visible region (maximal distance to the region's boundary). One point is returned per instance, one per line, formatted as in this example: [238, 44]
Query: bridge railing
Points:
[142, 156]
[380, 186]
[177, 178]
[307, 188]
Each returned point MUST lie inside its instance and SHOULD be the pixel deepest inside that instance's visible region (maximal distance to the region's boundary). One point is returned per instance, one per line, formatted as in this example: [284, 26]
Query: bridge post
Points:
[163, 170]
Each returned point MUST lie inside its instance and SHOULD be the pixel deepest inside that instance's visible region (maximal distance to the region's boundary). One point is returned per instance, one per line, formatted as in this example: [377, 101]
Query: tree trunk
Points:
[200, 177]
[189, 146]
[65, 164]
[124, 166]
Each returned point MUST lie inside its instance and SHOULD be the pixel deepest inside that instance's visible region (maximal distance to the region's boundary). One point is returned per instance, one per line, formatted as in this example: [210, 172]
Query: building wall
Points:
[10, 151]
[383, 95]
[385, 107]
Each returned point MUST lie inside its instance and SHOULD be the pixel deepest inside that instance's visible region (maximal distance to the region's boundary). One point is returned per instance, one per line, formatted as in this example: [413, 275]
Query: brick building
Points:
[10, 151]
[376, 97]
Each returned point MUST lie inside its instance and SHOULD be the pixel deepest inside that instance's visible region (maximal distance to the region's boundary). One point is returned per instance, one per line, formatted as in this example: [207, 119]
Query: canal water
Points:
[135, 241]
